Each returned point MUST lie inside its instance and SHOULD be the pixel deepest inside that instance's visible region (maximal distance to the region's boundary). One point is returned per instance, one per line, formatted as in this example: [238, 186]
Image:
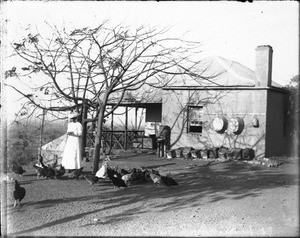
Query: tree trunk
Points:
[98, 141]
[84, 129]
[42, 132]
[99, 135]
[126, 128]
[111, 133]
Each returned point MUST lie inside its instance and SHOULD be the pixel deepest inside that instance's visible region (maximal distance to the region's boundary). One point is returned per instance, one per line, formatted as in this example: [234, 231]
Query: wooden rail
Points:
[118, 139]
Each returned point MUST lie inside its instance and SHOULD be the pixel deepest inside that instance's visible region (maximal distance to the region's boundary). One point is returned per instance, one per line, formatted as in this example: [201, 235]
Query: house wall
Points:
[234, 103]
[277, 124]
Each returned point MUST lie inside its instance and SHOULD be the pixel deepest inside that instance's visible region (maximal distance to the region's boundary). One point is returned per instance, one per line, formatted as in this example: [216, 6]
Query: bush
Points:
[24, 141]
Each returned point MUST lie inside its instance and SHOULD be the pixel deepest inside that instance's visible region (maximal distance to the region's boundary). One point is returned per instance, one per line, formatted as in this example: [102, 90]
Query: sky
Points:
[228, 29]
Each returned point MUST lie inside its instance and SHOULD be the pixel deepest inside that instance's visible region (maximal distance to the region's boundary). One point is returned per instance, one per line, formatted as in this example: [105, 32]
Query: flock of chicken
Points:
[54, 170]
[119, 177]
[123, 177]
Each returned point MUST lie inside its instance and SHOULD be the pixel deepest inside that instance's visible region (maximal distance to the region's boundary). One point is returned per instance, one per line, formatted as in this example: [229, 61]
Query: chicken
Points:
[76, 173]
[60, 172]
[48, 171]
[53, 165]
[155, 172]
[18, 169]
[51, 173]
[123, 172]
[155, 177]
[168, 181]
[102, 172]
[92, 179]
[40, 171]
[141, 175]
[19, 194]
[117, 182]
[113, 173]
[146, 175]
[127, 177]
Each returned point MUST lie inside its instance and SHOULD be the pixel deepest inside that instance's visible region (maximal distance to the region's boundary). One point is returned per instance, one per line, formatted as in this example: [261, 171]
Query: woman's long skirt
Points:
[72, 154]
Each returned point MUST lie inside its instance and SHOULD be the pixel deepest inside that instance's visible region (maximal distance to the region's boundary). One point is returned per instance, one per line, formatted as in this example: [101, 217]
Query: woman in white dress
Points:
[72, 153]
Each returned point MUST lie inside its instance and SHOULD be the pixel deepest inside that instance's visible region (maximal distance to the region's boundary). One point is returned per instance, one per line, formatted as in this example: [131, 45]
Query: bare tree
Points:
[95, 66]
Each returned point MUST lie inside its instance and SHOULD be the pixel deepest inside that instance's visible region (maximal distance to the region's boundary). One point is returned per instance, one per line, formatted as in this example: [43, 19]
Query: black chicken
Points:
[117, 182]
[76, 173]
[123, 172]
[113, 173]
[60, 172]
[19, 193]
[40, 171]
[168, 181]
[116, 173]
[54, 164]
[146, 175]
[92, 179]
[50, 172]
[139, 176]
[18, 169]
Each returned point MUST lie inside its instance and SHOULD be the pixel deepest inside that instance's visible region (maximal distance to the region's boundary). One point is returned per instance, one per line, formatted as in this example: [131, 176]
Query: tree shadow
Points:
[197, 186]
[158, 165]
[233, 180]
[53, 202]
[29, 174]
[126, 216]
[54, 223]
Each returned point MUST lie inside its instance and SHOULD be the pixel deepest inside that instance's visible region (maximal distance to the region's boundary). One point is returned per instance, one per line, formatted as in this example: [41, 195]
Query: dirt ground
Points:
[213, 199]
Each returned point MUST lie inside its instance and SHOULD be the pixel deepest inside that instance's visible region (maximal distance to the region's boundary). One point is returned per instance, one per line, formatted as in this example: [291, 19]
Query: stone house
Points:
[235, 107]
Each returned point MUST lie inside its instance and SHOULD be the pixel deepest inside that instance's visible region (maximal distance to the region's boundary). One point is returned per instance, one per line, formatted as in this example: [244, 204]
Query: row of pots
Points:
[212, 153]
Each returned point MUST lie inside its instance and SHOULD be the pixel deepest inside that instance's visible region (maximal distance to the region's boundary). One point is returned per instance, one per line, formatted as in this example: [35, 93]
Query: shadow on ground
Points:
[213, 181]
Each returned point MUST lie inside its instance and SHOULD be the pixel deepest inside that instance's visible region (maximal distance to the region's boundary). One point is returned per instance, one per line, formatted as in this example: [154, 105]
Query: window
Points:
[195, 119]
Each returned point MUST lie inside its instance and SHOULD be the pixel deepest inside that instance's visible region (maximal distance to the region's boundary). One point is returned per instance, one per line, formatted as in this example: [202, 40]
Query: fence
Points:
[118, 139]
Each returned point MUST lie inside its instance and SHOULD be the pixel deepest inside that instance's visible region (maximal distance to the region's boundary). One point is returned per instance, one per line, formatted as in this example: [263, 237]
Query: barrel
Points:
[236, 125]
[220, 124]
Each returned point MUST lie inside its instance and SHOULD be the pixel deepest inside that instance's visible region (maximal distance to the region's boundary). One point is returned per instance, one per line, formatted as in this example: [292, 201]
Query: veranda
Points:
[114, 138]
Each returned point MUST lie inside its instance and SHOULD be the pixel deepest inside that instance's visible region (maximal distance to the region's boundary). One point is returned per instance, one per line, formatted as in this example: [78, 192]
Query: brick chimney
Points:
[263, 66]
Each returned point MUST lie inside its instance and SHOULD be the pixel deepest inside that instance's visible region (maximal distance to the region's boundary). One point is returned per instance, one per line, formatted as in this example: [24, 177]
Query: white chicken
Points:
[126, 177]
[155, 177]
[102, 172]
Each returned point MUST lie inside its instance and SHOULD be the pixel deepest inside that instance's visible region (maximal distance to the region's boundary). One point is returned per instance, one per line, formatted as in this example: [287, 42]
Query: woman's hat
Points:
[72, 115]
